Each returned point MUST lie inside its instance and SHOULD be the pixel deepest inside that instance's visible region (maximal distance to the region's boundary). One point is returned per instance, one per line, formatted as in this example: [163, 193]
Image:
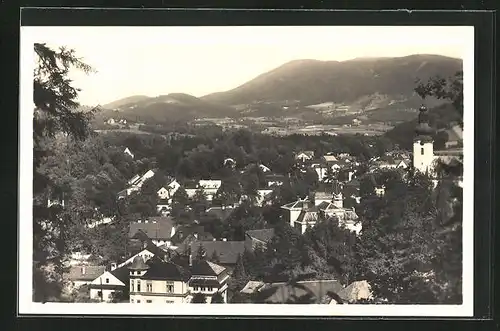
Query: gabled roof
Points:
[264, 235]
[227, 251]
[206, 268]
[159, 269]
[154, 227]
[329, 158]
[307, 153]
[187, 234]
[306, 216]
[299, 204]
[85, 273]
[121, 273]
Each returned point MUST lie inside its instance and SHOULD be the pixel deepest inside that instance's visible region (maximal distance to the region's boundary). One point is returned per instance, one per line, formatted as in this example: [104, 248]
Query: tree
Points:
[446, 89]
[199, 298]
[56, 111]
[201, 253]
[215, 257]
[199, 202]
[217, 298]
[180, 201]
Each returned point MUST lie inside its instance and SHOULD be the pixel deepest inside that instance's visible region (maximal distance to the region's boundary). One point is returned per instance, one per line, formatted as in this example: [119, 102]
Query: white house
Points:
[136, 182]
[128, 152]
[305, 156]
[264, 168]
[108, 284]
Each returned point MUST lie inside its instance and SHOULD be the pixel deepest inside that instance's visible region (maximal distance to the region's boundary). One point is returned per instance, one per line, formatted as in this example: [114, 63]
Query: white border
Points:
[26, 306]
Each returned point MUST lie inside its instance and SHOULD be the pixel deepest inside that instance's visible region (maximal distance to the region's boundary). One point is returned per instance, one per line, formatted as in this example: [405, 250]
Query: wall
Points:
[422, 162]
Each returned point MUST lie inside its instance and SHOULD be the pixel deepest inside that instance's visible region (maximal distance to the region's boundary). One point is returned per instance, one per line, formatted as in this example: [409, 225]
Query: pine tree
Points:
[201, 253]
[217, 298]
[199, 298]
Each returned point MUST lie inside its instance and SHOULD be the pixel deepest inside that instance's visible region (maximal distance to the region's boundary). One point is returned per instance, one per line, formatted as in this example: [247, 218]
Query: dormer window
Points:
[422, 151]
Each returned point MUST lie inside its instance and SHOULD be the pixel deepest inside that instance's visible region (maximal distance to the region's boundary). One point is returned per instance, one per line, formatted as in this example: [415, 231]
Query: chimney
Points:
[190, 260]
[195, 235]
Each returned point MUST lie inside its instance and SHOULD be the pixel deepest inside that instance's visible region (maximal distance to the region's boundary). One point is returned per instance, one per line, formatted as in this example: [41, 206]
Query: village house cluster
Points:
[165, 269]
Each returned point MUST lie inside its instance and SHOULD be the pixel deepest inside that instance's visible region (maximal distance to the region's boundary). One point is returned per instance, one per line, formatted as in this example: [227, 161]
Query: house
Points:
[301, 214]
[273, 180]
[264, 196]
[111, 284]
[158, 281]
[111, 121]
[329, 158]
[229, 162]
[208, 278]
[135, 184]
[146, 250]
[128, 152]
[258, 238]
[159, 229]
[304, 156]
[264, 168]
[186, 235]
[227, 251]
[83, 274]
[163, 193]
[311, 291]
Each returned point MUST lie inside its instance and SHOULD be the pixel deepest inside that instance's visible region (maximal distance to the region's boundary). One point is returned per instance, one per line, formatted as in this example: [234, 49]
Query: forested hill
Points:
[314, 82]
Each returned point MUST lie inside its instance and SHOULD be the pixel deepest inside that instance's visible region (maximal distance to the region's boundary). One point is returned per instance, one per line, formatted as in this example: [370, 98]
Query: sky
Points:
[155, 61]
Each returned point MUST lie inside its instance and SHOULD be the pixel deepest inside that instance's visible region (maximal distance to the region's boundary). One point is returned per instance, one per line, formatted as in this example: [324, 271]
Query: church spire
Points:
[423, 131]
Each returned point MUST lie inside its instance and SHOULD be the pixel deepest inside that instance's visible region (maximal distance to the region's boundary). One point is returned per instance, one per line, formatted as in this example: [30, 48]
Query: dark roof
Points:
[122, 273]
[153, 227]
[186, 234]
[88, 272]
[206, 268]
[317, 289]
[264, 235]
[227, 251]
[138, 264]
[203, 282]
[159, 269]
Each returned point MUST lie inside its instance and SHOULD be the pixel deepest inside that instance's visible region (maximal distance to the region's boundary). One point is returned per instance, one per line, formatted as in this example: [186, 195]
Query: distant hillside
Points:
[125, 101]
[315, 82]
[371, 89]
[164, 108]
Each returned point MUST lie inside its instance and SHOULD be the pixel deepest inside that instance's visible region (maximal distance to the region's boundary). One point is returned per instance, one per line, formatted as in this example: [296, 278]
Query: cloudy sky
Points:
[201, 60]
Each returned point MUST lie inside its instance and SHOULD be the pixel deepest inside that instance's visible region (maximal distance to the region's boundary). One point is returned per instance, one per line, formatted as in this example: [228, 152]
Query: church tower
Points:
[338, 200]
[423, 151]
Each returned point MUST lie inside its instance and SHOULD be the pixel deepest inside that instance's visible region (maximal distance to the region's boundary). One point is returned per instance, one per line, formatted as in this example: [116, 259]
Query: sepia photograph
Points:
[254, 167]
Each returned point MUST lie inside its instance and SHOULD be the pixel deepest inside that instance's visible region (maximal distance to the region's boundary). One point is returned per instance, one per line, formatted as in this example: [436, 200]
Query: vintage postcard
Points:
[257, 170]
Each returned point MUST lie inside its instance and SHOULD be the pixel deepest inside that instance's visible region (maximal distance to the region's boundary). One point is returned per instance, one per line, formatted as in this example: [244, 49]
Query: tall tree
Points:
[199, 298]
[217, 298]
[56, 111]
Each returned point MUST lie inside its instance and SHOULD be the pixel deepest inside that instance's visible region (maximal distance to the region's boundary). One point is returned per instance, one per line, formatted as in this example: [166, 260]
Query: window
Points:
[148, 301]
[131, 286]
[131, 300]
[169, 301]
[202, 289]
[107, 280]
[138, 286]
[422, 151]
[138, 301]
[170, 287]
[196, 288]
[149, 287]
[210, 288]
